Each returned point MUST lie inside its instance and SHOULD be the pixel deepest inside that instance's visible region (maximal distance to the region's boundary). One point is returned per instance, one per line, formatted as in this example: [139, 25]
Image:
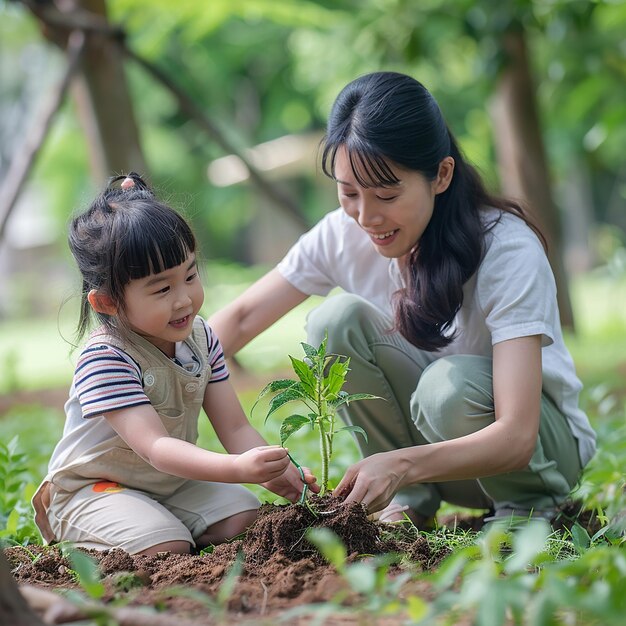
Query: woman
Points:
[448, 312]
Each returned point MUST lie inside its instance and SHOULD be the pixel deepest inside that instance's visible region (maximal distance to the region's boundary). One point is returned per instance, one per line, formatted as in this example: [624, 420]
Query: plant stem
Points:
[305, 487]
[324, 455]
[331, 434]
[321, 415]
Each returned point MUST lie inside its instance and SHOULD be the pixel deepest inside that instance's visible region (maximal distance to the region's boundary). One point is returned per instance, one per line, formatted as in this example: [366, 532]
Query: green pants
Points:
[430, 399]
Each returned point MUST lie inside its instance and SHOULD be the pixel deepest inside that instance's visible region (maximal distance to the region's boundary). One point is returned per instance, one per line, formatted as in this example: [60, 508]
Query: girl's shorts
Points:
[105, 514]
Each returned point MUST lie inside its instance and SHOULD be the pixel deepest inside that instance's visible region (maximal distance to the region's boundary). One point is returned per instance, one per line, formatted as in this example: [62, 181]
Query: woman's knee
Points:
[344, 318]
[454, 397]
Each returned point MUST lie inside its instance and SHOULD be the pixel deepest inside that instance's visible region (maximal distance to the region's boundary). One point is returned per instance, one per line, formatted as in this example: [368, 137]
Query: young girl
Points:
[448, 312]
[127, 472]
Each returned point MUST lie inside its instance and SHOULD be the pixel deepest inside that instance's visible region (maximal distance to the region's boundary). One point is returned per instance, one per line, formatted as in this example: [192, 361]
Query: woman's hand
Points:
[260, 464]
[289, 485]
[374, 480]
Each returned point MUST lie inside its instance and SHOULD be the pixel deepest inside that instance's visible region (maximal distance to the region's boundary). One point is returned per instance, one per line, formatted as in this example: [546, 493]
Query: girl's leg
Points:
[227, 528]
[177, 547]
[213, 512]
[385, 364]
[455, 397]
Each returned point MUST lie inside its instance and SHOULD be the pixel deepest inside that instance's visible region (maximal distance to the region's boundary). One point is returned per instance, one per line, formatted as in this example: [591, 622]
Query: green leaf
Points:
[291, 425]
[329, 544]
[336, 378]
[580, 538]
[276, 385]
[306, 376]
[310, 351]
[273, 387]
[361, 577]
[87, 571]
[12, 522]
[229, 581]
[416, 608]
[321, 351]
[354, 429]
[528, 542]
[453, 565]
[346, 399]
[12, 446]
[295, 392]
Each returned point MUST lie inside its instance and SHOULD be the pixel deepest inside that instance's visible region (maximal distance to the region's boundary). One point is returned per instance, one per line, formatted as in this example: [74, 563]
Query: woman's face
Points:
[393, 217]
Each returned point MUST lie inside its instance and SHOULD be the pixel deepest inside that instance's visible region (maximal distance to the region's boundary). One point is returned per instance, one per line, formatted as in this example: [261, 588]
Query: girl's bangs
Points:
[156, 248]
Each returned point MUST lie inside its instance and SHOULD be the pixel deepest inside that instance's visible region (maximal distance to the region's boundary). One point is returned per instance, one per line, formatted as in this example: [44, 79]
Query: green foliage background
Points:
[262, 69]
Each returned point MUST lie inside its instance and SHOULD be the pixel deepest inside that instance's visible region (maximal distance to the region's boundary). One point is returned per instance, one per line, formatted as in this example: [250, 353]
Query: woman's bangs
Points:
[370, 169]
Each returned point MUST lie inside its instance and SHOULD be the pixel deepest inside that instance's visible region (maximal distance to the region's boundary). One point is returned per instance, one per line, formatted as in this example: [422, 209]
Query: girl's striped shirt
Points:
[108, 379]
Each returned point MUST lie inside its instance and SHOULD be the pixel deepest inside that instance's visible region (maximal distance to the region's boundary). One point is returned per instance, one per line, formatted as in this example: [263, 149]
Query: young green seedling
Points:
[321, 377]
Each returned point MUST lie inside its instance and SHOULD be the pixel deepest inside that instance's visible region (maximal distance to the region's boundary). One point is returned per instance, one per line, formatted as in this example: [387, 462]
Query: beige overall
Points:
[102, 494]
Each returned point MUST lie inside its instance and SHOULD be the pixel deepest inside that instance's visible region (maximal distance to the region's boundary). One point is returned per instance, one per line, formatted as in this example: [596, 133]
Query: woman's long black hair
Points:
[125, 234]
[385, 119]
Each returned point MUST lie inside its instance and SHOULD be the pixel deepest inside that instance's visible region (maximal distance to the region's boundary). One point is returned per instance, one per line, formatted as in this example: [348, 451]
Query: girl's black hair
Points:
[385, 119]
[125, 234]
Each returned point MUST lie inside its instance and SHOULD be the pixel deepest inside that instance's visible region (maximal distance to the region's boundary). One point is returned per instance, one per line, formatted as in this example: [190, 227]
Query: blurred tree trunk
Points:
[522, 161]
[100, 90]
[14, 610]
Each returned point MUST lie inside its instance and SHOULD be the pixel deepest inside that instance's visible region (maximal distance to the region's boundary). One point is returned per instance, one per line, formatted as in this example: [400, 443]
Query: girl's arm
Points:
[504, 446]
[237, 435]
[256, 309]
[141, 428]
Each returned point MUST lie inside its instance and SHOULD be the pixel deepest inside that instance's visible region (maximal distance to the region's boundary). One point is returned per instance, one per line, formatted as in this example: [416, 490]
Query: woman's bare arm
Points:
[256, 309]
[504, 446]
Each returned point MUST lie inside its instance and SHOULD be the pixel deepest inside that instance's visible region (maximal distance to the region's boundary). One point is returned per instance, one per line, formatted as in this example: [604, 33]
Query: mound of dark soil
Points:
[279, 532]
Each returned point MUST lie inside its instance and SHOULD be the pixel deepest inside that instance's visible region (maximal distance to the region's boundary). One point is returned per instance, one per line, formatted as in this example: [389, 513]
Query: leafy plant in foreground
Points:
[321, 377]
[16, 489]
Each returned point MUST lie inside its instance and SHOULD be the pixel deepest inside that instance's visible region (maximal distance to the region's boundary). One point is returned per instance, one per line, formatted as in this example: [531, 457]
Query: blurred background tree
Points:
[534, 89]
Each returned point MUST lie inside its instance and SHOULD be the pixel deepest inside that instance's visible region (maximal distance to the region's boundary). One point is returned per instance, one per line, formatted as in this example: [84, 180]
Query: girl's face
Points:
[393, 217]
[161, 307]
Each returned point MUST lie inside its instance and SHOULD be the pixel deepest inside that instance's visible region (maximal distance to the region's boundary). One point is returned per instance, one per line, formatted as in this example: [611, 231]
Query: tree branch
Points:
[25, 155]
[88, 22]
[58, 610]
[193, 112]
[76, 19]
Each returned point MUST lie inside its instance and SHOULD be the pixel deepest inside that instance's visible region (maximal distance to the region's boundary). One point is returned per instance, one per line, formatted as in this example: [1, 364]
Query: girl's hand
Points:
[289, 485]
[260, 464]
[373, 481]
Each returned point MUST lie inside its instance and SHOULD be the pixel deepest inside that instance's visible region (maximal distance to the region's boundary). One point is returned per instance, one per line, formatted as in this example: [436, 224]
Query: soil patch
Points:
[278, 569]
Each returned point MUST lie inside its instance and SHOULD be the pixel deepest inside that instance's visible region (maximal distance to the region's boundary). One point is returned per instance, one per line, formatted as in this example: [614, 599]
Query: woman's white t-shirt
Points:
[512, 294]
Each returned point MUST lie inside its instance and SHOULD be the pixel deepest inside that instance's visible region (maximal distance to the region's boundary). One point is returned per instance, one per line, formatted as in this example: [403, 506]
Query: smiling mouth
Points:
[383, 236]
[180, 322]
